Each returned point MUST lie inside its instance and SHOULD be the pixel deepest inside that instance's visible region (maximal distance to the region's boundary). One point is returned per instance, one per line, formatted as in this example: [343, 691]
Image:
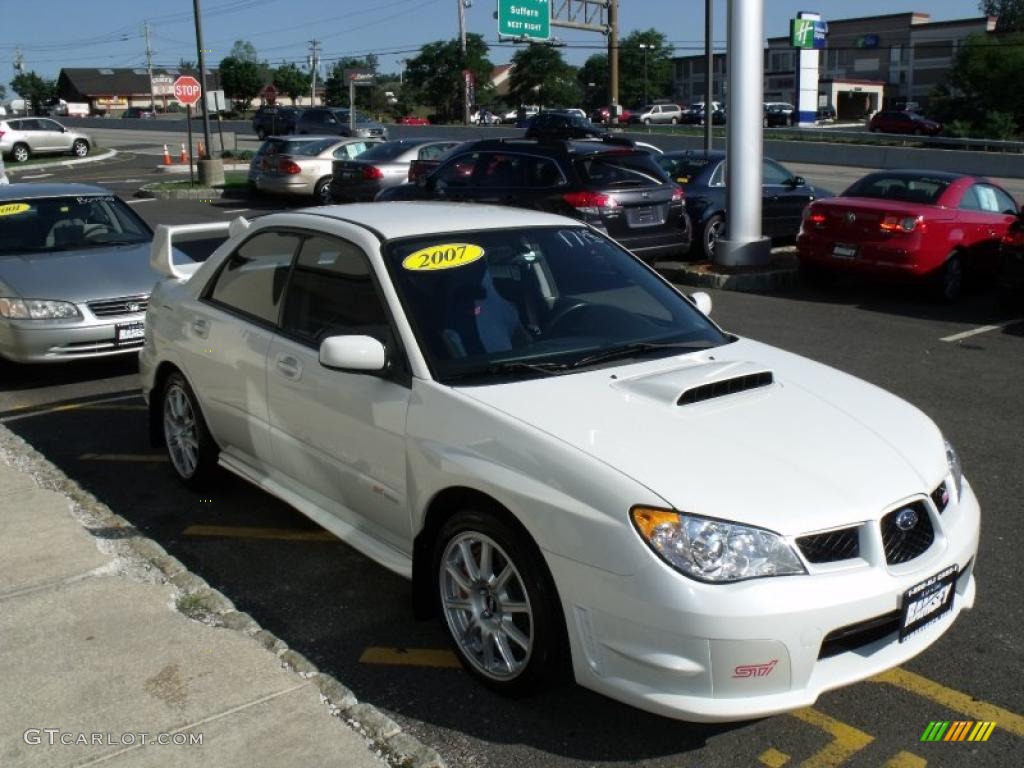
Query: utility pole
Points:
[314, 65]
[465, 61]
[709, 66]
[613, 57]
[211, 171]
[149, 68]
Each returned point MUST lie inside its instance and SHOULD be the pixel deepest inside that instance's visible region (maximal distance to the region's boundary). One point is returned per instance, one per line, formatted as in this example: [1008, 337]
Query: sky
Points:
[109, 33]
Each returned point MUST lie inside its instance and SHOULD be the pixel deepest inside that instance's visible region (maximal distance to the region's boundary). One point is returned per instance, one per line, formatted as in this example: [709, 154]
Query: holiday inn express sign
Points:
[808, 33]
[524, 18]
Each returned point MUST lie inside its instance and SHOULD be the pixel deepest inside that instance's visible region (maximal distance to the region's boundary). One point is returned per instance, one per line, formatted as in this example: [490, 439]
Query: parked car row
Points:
[320, 121]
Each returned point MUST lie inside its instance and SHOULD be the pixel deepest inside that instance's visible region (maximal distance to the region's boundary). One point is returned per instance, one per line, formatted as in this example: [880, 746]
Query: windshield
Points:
[536, 301]
[907, 189]
[68, 223]
[625, 168]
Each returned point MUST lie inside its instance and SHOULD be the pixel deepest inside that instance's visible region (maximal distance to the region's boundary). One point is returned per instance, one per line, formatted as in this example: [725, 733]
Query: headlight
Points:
[38, 309]
[713, 550]
[955, 469]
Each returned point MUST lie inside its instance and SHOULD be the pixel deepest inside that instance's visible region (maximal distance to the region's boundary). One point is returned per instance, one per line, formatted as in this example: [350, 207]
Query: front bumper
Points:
[717, 653]
[54, 342]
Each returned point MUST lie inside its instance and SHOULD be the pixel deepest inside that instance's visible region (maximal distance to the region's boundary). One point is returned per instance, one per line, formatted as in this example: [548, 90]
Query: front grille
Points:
[125, 305]
[940, 497]
[855, 636]
[725, 387]
[900, 545]
[831, 547]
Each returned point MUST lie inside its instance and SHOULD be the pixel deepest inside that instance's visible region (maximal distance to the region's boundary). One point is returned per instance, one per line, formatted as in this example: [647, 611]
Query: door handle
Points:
[289, 367]
[200, 327]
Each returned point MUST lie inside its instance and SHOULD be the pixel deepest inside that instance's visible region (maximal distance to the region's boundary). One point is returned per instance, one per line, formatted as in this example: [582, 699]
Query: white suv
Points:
[22, 137]
[669, 114]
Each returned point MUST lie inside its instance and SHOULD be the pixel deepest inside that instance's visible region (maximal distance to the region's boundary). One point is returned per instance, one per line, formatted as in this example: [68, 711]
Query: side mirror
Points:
[352, 353]
[702, 301]
[798, 181]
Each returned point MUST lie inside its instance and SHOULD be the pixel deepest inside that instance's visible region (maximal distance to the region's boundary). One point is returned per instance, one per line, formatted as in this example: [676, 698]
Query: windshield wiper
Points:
[497, 369]
[632, 350]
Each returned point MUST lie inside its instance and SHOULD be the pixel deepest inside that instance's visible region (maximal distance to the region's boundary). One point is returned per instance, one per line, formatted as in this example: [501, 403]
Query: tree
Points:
[34, 89]
[593, 80]
[1010, 13]
[3, 92]
[291, 80]
[434, 76]
[242, 80]
[631, 67]
[986, 77]
[336, 86]
[540, 75]
[243, 50]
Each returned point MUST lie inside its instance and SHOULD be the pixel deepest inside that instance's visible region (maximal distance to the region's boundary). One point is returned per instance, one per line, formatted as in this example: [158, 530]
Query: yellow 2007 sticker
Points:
[443, 256]
[12, 208]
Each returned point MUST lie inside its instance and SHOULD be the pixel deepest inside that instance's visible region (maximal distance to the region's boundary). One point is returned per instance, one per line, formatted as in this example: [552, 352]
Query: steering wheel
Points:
[572, 310]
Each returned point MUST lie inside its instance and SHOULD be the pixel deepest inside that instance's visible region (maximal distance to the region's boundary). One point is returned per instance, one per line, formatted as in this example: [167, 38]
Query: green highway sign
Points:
[524, 18]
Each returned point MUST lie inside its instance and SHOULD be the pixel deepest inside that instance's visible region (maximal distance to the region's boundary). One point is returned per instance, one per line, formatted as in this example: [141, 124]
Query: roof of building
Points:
[122, 81]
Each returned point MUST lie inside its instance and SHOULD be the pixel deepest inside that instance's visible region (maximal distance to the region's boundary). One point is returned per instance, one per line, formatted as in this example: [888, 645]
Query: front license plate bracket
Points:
[927, 602]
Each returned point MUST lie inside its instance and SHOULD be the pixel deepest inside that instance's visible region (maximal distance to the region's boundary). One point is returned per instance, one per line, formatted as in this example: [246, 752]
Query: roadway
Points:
[963, 365]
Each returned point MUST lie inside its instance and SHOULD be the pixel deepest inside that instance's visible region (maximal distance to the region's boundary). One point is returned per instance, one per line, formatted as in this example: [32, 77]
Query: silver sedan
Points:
[386, 165]
[302, 165]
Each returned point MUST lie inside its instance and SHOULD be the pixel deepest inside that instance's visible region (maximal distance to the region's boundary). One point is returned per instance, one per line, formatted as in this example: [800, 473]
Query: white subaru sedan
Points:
[575, 467]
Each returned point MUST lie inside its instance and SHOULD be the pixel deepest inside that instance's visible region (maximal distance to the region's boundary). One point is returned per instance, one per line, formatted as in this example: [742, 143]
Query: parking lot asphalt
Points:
[353, 618]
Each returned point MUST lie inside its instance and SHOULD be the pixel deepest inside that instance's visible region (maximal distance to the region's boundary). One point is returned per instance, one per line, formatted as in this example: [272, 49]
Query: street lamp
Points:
[645, 47]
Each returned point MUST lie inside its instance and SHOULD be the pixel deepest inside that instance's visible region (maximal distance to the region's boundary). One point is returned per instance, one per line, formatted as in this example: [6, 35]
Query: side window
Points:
[350, 151]
[332, 293]
[252, 279]
[432, 151]
[773, 173]
[718, 176]
[48, 125]
[999, 200]
[458, 172]
[502, 170]
[970, 201]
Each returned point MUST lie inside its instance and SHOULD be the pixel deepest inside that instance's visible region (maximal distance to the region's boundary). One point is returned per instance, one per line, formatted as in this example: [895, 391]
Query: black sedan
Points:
[702, 176]
[562, 125]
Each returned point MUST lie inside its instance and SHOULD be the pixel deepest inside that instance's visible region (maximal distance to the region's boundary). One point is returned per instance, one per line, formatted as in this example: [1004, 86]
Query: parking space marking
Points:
[131, 457]
[952, 699]
[236, 210]
[772, 758]
[846, 740]
[982, 329]
[36, 410]
[279, 534]
[905, 760]
[38, 176]
[411, 657]
[142, 200]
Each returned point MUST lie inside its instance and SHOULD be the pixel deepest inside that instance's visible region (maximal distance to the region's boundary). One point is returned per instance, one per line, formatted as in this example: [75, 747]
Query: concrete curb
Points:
[781, 274]
[148, 562]
[180, 168]
[202, 194]
[54, 164]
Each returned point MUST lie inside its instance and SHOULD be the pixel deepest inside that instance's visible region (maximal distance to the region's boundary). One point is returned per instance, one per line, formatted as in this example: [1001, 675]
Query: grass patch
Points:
[191, 605]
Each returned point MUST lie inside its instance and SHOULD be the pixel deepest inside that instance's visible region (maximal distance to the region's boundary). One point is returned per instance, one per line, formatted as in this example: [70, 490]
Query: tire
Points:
[949, 282]
[322, 192]
[501, 611]
[20, 153]
[764, 122]
[80, 148]
[789, 121]
[674, 121]
[261, 134]
[190, 447]
[647, 121]
[710, 233]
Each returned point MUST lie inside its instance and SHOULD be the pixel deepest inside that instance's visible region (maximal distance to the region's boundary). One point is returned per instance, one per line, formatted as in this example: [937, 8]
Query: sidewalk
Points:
[96, 654]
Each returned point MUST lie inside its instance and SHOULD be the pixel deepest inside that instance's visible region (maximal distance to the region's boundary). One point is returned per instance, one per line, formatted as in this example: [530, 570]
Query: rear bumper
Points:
[667, 242]
[904, 257]
[284, 185]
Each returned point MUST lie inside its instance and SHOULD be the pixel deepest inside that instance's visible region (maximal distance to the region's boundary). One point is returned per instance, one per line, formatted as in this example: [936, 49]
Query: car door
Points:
[229, 332]
[454, 179]
[986, 212]
[783, 201]
[53, 136]
[341, 434]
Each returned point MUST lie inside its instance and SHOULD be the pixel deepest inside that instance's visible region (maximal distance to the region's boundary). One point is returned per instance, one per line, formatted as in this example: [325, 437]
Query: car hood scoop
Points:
[700, 381]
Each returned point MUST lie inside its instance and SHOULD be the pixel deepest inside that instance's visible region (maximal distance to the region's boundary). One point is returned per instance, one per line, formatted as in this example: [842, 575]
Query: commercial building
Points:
[870, 63]
[112, 90]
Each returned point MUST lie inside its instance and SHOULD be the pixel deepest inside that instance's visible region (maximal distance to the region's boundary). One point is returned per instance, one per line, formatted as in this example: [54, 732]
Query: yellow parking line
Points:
[951, 699]
[139, 457]
[905, 760]
[410, 657]
[26, 411]
[235, 532]
[772, 758]
[846, 740]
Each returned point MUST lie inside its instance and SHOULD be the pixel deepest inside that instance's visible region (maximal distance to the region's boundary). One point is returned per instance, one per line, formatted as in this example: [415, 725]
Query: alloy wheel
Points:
[180, 431]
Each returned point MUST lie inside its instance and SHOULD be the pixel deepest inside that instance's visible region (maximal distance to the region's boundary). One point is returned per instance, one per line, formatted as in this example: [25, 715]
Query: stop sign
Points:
[187, 90]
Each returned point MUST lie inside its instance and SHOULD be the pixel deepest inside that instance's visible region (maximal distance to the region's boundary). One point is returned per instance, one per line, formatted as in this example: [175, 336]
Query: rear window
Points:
[682, 169]
[313, 148]
[386, 151]
[907, 189]
[620, 169]
[279, 146]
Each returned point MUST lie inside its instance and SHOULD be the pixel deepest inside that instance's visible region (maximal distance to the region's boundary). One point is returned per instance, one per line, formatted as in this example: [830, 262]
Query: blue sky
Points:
[57, 33]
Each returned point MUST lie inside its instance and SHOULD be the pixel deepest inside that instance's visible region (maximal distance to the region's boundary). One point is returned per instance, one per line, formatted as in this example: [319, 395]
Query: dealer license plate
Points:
[841, 251]
[927, 602]
[126, 333]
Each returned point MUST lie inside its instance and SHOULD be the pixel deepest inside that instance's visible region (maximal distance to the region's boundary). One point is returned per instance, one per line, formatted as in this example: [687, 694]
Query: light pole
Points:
[645, 47]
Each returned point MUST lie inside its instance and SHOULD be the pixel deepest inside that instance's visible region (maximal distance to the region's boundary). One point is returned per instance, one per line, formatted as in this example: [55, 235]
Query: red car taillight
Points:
[590, 202]
[901, 224]
[372, 173]
[677, 194]
[288, 166]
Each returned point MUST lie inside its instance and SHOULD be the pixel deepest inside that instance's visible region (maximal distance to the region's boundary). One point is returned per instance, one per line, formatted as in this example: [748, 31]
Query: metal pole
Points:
[314, 64]
[744, 244]
[613, 56]
[644, 49]
[149, 69]
[191, 173]
[465, 62]
[709, 58]
[202, 81]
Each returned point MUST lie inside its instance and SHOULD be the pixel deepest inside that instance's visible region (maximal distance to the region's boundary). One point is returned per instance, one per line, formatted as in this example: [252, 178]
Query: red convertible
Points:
[926, 225]
[413, 120]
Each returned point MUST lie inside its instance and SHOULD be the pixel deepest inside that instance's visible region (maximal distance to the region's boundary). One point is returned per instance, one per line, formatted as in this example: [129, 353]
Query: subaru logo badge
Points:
[906, 519]
[851, 217]
[133, 307]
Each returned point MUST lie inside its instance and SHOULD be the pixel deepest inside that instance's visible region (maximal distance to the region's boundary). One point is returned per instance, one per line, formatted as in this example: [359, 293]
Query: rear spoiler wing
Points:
[161, 255]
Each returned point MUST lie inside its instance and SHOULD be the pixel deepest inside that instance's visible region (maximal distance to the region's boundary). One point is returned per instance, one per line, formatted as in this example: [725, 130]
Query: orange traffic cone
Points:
[167, 156]
[184, 156]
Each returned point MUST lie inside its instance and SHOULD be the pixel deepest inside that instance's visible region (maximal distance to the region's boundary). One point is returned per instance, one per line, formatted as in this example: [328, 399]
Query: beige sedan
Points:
[302, 165]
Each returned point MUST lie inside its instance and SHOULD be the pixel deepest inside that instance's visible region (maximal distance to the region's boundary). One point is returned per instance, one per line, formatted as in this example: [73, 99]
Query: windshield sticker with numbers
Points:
[10, 209]
[442, 256]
